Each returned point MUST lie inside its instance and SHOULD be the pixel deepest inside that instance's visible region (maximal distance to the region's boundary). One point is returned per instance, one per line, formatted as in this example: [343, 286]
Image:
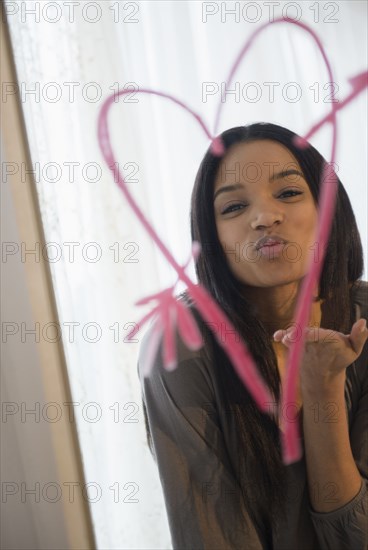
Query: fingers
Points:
[362, 325]
[278, 335]
[358, 335]
[287, 336]
[293, 334]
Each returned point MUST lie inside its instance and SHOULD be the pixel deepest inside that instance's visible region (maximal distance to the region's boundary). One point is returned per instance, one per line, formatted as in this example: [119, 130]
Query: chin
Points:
[268, 277]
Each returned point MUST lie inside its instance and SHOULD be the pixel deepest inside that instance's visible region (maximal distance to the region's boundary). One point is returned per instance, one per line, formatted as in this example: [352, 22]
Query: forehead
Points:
[266, 156]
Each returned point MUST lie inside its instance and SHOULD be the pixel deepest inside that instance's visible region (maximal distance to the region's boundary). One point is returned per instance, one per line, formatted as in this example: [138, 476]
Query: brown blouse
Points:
[203, 502]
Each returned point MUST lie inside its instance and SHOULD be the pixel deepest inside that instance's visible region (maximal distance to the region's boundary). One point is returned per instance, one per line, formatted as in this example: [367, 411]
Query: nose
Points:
[266, 217]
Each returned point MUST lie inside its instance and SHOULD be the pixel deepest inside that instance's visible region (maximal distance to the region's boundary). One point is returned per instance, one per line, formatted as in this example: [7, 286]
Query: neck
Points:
[275, 306]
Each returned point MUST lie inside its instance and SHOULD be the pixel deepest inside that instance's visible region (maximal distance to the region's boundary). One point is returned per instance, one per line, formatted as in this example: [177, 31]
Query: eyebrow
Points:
[235, 186]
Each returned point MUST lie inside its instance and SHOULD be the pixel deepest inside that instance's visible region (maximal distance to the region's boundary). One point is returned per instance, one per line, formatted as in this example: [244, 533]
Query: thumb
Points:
[358, 335]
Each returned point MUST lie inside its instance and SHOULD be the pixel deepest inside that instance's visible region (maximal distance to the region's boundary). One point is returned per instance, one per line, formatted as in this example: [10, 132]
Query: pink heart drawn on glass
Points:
[173, 312]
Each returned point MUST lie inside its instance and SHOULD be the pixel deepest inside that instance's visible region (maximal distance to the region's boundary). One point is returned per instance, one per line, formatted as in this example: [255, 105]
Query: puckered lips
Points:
[270, 240]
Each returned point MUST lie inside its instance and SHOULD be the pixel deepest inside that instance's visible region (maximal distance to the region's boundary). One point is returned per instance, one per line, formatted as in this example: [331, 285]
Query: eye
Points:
[291, 191]
[233, 208]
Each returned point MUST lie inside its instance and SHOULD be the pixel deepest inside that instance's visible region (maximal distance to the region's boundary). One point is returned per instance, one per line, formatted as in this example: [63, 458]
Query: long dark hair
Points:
[259, 457]
[342, 266]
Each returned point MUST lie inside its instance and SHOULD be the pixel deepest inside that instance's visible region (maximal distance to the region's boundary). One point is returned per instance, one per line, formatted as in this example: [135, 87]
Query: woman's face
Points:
[252, 199]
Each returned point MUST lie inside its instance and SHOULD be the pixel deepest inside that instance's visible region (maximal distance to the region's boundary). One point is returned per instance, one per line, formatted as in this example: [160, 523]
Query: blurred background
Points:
[76, 470]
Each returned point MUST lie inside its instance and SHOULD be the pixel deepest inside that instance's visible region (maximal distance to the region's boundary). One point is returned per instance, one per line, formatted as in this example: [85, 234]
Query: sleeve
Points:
[347, 527]
[203, 501]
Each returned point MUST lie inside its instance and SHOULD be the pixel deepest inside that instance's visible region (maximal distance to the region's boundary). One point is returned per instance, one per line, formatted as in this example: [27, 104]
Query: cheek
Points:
[221, 232]
[309, 219]
[303, 219]
[305, 226]
[228, 234]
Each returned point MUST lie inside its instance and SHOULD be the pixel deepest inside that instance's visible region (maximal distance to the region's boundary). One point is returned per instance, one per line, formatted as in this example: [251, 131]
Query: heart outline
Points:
[248, 372]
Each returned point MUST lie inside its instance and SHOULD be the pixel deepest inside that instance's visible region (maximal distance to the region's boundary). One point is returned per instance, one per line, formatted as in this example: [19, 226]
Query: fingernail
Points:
[363, 326]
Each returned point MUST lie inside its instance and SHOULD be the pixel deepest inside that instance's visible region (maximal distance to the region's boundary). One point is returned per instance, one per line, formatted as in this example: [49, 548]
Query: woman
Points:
[219, 457]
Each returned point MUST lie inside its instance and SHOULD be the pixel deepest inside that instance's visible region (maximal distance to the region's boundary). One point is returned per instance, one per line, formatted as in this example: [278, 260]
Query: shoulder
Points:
[153, 341]
[192, 374]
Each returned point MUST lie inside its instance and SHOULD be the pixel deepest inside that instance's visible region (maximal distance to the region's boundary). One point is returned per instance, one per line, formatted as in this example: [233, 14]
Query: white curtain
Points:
[73, 55]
